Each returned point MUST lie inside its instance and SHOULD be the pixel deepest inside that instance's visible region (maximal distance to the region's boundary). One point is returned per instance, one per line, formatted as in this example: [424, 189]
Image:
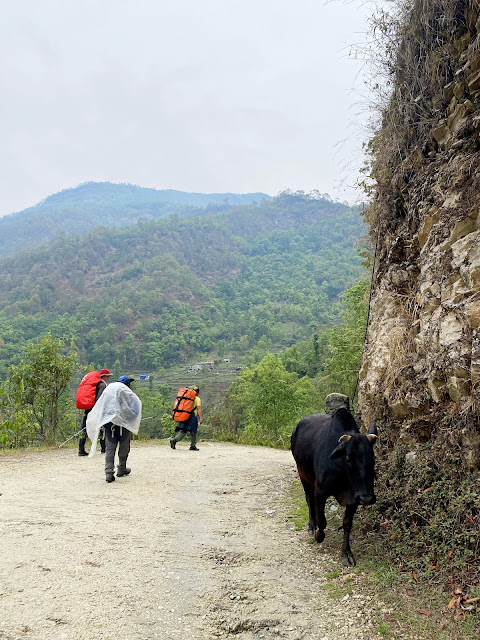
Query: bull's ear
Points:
[340, 451]
[373, 429]
[372, 437]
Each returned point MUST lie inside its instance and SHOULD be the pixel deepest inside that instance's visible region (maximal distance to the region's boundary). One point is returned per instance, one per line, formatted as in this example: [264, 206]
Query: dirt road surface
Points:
[191, 545]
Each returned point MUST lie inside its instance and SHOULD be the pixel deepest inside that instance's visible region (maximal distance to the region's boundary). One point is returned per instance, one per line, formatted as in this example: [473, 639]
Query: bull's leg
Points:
[347, 556]
[307, 487]
[320, 500]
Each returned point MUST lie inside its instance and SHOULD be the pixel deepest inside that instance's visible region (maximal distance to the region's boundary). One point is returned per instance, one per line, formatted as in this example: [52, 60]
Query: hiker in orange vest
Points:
[190, 425]
[105, 376]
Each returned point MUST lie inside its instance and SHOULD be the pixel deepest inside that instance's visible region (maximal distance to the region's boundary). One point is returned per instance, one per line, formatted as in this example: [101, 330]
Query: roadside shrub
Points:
[264, 404]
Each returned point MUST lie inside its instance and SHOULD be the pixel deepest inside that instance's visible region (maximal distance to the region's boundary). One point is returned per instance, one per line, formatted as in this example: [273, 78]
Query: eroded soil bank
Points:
[190, 545]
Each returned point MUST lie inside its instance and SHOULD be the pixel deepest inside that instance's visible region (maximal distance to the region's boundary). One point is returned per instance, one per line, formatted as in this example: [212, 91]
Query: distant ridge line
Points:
[91, 204]
[128, 186]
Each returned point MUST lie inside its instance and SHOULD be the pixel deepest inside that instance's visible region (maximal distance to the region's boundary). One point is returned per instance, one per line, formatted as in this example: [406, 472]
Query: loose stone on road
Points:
[191, 545]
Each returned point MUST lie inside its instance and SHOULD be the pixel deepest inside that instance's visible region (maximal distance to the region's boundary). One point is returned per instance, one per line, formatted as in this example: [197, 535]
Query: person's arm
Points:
[101, 386]
[199, 413]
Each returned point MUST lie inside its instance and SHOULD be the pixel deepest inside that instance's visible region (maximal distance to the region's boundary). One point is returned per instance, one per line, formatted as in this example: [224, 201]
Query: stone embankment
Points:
[422, 359]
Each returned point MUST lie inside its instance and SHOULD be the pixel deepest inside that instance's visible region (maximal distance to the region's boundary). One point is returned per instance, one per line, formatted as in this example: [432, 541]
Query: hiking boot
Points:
[173, 443]
[109, 477]
[194, 448]
[123, 472]
[82, 453]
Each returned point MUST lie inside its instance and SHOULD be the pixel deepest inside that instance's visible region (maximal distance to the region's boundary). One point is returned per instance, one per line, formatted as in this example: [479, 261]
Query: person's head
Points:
[126, 380]
[197, 390]
[105, 374]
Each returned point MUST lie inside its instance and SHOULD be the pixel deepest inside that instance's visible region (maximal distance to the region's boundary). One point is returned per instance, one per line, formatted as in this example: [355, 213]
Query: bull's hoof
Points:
[348, 560]
[319, 535]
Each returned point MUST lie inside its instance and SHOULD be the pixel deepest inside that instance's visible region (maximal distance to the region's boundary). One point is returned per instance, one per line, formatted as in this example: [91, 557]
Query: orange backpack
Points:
[183, 407]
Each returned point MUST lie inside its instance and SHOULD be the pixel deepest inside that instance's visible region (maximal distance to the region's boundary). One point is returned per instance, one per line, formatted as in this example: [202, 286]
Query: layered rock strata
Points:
[421, 362]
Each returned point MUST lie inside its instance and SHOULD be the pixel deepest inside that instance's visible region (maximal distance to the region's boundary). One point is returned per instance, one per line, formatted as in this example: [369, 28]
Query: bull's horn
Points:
[372, 437]
[345, 438]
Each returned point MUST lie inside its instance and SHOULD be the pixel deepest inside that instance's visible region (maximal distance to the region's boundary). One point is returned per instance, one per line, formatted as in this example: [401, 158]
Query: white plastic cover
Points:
[117, 404]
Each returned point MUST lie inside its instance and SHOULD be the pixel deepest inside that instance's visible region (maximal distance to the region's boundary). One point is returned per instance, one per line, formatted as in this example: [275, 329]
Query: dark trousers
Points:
[115, 435]
[83, 436]
[189, 426]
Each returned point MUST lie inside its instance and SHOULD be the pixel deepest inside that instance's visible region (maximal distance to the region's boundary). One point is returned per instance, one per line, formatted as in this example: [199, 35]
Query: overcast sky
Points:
[196, 95]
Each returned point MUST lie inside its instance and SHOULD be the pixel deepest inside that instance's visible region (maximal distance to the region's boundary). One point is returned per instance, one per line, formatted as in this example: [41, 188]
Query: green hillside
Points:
[166, 291]
[102, 203]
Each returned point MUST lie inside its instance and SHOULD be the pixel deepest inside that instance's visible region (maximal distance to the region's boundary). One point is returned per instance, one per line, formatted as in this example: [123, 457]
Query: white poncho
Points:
[118, 405]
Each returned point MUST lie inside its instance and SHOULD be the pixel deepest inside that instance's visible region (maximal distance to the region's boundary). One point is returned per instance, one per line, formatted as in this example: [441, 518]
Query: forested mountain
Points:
[102, 203]
[163, 290]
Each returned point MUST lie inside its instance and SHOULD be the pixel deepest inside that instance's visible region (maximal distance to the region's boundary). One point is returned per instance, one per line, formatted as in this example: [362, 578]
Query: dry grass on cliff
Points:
[413, 52]
[401, 346]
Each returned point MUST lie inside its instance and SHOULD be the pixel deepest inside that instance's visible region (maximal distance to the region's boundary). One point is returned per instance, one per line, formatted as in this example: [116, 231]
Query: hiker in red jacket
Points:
[101, 386]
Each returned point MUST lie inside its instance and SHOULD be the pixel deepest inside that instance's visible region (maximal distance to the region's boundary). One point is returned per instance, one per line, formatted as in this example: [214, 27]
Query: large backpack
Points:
[183, 407]
[87, 390]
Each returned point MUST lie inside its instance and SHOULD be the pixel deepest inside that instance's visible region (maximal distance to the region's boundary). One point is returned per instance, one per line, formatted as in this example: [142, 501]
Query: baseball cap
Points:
[125, 379]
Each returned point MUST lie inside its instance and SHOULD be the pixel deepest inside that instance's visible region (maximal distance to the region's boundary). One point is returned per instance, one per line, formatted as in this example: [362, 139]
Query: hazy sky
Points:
[196, 95]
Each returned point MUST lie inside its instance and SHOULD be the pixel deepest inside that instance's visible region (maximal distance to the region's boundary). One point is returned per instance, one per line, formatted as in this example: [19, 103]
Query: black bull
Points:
[334, 459]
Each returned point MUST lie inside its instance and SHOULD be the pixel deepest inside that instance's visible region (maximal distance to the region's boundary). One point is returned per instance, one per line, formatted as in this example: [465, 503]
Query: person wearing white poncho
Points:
[119, 412]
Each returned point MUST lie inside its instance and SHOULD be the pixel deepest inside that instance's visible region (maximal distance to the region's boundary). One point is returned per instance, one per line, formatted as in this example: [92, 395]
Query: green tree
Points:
[38, 387]
[222, 345]
[345, 343]
[265, 403]
[16, 421]
[156, 411]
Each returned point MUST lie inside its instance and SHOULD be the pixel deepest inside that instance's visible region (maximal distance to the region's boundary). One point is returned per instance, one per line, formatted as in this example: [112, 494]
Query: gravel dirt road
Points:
[190, 545]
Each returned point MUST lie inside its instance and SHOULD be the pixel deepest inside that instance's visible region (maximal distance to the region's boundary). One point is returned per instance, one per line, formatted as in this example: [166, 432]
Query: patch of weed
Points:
[333, 574]
[336, 591]
[298, 513]
[410, 603]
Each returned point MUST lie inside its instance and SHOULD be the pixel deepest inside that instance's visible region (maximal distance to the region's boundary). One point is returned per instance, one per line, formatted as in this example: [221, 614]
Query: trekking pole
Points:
[79, 432]
[74, 435]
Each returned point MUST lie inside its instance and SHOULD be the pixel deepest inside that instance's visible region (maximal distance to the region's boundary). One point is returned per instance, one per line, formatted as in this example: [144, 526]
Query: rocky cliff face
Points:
[421, 365]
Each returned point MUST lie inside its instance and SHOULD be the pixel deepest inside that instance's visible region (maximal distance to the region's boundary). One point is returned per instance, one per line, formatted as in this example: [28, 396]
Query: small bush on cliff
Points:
[428, 512]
